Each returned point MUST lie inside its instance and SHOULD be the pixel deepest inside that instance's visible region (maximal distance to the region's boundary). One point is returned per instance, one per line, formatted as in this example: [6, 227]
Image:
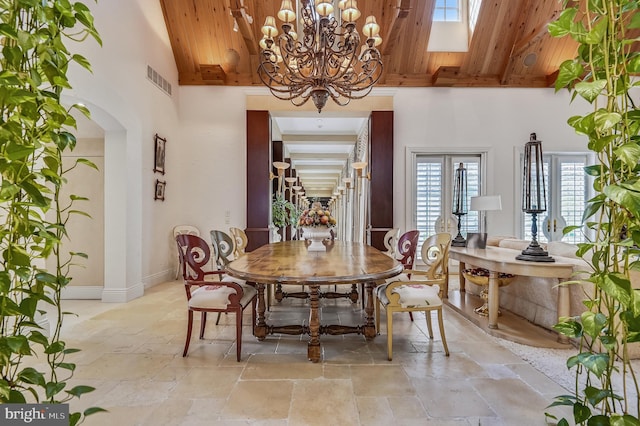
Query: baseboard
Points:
[159, 278]
[119, 295]
[82, 292]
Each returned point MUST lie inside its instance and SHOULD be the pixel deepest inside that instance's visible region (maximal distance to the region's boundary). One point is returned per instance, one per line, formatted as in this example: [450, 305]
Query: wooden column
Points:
[258, 167]
[381, 168]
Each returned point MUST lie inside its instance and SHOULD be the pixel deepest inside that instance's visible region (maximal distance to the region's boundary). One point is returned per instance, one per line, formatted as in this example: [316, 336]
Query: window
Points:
[567, 189]
[450, 27]
[447, 11]
[434, 175]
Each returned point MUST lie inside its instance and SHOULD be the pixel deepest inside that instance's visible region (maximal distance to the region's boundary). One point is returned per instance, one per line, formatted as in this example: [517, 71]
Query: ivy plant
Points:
[283, 212]
[603, 73]
[35, 131]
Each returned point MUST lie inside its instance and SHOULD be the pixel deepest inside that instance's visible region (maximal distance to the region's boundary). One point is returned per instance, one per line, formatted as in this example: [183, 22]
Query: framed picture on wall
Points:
[160, 186]
[159, 154]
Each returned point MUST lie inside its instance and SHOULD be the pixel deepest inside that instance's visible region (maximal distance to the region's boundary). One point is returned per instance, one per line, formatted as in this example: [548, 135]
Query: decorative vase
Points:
[316, 235]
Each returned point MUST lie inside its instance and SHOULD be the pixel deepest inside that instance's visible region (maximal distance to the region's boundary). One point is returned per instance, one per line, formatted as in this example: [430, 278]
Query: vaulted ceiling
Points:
[207, 50]
[510, 47]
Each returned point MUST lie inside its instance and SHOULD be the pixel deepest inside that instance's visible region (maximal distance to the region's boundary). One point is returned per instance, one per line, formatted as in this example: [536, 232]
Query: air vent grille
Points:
[158, 80]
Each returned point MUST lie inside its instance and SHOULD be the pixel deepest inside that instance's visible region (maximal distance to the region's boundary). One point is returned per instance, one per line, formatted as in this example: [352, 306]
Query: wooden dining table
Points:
[290, 263]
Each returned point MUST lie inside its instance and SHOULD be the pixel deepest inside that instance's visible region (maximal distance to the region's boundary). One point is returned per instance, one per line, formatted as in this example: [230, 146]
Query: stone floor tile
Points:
[259, 400]
[323, 402]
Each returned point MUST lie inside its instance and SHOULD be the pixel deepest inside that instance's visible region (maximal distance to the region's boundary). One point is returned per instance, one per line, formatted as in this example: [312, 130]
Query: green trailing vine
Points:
[604, 73]
[34, 133]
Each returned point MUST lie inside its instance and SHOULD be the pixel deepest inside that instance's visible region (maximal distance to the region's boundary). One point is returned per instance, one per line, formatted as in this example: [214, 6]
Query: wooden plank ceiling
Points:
[207, 50]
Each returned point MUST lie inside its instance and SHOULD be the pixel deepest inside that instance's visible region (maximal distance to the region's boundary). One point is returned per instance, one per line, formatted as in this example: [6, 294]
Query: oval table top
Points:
[290, 262]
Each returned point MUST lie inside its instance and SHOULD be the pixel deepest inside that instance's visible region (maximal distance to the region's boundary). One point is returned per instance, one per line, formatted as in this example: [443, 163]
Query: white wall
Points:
[132, 110]
[442, 118]
[213, 121]
[212, 160]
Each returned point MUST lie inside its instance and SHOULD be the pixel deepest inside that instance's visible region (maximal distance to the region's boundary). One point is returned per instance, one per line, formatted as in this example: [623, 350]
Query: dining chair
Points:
[241, 241]
[406, 254]
[211, 296]
[183, 229]
[418, 290]
[223, 248]
[390, 241]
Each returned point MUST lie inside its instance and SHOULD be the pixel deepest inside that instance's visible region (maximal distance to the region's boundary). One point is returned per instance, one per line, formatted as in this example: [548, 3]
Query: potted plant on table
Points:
[283, 213]
[316, 223]
[604, 73]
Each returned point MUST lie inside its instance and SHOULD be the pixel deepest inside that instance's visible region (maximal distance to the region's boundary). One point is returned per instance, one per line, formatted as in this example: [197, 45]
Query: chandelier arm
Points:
[337, 98]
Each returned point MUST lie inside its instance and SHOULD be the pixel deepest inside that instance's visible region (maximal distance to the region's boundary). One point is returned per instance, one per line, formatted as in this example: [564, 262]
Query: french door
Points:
[434, 180]
[567, 189]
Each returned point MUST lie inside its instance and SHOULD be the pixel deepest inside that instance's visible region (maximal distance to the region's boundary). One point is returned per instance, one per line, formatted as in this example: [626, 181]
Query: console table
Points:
[497, 260]
[289, 262]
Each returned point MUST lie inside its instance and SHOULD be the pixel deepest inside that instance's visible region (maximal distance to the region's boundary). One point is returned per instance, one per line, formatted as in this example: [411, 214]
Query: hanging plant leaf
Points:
[590, 90]
[628, 199]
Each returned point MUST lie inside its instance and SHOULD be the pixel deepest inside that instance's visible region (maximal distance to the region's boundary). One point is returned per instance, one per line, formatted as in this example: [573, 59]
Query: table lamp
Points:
[483, 203]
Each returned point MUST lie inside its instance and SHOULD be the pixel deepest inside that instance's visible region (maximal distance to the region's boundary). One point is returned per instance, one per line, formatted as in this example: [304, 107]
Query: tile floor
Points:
[131, 353]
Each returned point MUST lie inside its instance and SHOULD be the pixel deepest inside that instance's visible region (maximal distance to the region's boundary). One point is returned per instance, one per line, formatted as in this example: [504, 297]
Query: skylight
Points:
[447, 11]
[453, 24]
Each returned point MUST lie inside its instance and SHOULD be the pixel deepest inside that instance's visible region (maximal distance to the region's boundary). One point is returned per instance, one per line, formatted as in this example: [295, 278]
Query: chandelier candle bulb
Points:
[325, 7]
[350, 13]
[371, 27]
[286, 13]
[269, 28]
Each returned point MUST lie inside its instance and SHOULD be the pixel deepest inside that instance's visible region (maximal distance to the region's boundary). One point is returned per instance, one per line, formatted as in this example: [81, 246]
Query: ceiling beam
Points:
[446, 76]
[522, 45]
[507, 64]
[213, 74]
[340, 156]
[312, 139]
[240, 15]
[452, 77]
[397, 23]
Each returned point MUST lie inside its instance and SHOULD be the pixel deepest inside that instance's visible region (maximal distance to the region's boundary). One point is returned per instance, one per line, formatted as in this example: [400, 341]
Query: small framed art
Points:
[160, 186]
[159, 154]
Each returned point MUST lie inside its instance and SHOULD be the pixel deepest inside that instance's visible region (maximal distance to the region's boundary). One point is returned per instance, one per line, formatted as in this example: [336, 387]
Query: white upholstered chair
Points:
[211, 296]
[419, 290]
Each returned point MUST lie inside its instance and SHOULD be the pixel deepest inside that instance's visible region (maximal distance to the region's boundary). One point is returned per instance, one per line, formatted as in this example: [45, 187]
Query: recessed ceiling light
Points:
[530, 59]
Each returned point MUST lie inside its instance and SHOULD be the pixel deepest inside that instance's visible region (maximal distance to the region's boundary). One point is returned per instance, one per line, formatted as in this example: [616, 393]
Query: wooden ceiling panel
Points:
[207, 50]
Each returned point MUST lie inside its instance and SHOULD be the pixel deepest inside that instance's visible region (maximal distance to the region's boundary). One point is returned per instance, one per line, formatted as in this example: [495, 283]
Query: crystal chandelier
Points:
[327, 60]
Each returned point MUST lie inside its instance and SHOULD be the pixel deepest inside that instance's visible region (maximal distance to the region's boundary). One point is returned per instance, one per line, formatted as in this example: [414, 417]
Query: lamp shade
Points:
[286, 13]
[486, 203]
[269, 28]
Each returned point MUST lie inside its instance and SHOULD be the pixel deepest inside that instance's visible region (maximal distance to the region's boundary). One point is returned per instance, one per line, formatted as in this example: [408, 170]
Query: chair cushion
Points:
[412, 295]
[217, 296]
[228, 278]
